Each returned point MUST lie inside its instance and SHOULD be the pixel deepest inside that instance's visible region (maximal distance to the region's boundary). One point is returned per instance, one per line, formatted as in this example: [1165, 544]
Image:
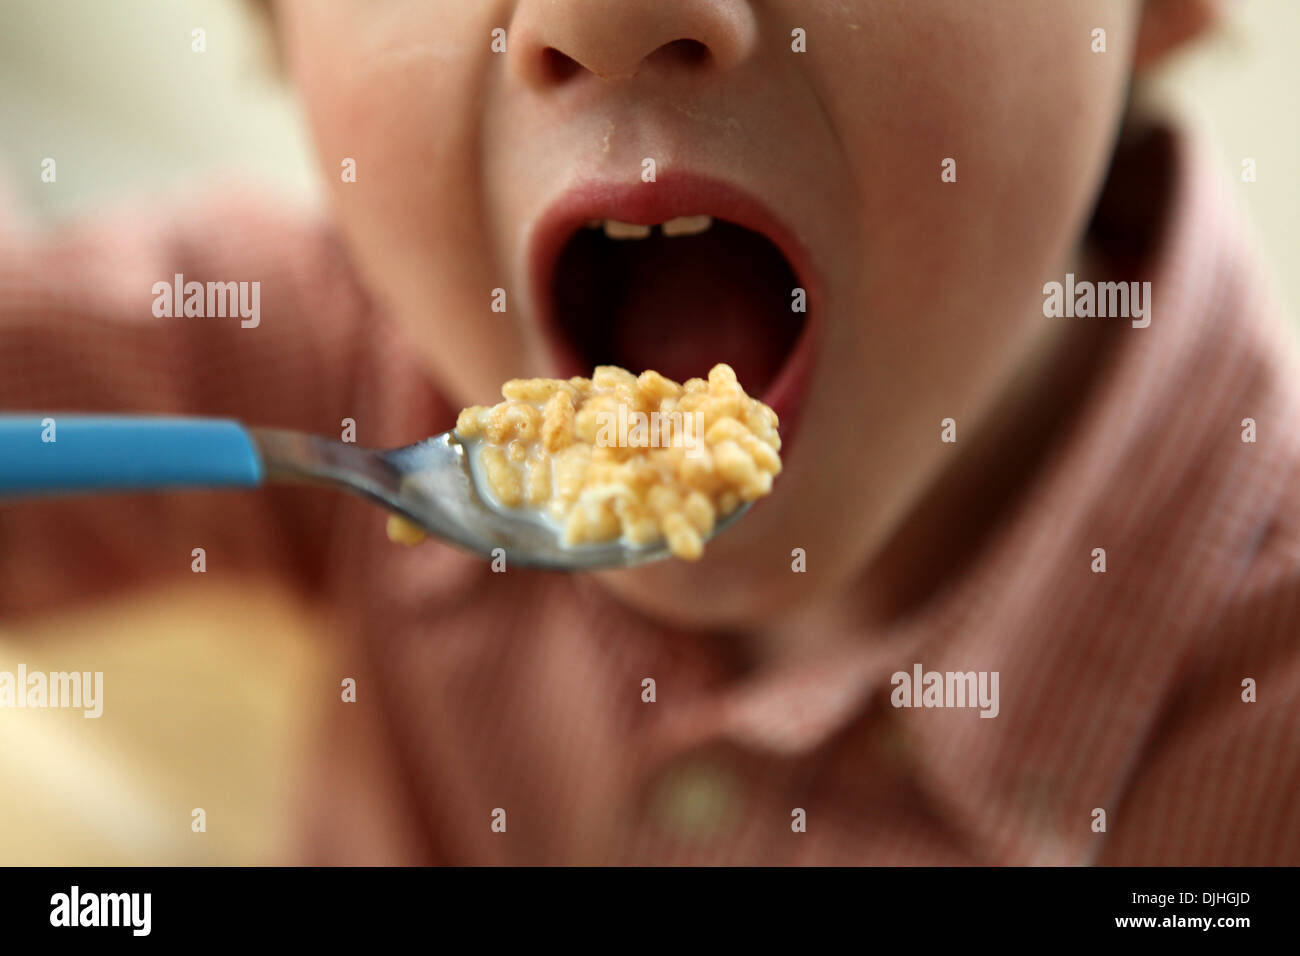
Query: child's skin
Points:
[929, 294]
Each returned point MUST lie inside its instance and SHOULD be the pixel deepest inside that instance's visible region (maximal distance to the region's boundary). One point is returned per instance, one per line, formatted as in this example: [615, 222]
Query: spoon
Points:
[428, 483]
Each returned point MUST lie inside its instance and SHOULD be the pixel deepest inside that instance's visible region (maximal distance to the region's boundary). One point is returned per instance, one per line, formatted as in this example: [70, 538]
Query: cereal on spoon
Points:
[618, 455]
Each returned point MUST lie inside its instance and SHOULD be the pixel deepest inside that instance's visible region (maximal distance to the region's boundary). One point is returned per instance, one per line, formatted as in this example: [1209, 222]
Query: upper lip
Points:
[678, 194]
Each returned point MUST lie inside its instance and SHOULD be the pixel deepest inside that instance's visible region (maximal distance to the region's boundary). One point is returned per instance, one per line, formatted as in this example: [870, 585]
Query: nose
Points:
[553, 41]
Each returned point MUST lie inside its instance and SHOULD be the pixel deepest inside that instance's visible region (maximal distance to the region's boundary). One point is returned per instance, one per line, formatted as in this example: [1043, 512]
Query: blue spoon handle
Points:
[56, 454]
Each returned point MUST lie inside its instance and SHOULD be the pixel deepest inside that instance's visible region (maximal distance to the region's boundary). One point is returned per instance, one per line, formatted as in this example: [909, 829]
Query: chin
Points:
[695, 597]
[744, 580]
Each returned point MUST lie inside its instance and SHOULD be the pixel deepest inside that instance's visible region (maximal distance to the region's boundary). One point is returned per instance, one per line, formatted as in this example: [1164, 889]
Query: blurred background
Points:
[211, 695]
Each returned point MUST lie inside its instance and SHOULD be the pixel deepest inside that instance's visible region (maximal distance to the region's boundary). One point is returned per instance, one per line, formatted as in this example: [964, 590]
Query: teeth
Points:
[687, 225]
[681, 226]
[625, 230]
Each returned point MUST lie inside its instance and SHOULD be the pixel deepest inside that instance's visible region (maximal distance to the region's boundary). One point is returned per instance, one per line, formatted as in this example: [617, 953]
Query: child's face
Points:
[475, 168]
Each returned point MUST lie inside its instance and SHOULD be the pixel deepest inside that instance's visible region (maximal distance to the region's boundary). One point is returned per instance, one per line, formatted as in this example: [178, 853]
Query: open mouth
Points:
[675, 277]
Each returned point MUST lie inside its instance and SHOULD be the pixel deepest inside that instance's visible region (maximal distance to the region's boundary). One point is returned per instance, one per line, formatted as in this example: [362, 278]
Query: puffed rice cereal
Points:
[620, 455]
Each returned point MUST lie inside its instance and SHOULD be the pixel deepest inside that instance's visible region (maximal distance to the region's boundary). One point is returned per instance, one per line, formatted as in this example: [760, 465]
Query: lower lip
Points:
[648, 204]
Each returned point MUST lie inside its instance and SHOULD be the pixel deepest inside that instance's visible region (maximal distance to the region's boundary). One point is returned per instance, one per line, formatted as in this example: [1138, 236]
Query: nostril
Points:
[682, 52]
[556, 66]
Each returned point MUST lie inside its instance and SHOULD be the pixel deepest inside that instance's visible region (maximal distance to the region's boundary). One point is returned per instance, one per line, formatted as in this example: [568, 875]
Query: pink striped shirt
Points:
[517, 697]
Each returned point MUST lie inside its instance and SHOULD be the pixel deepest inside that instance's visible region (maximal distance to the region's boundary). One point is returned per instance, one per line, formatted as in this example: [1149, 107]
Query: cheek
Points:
[1014, 96]
[392, 96]
[1011, 93]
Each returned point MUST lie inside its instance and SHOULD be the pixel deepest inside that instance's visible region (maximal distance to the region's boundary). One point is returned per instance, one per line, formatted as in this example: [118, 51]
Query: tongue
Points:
[681, 305]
